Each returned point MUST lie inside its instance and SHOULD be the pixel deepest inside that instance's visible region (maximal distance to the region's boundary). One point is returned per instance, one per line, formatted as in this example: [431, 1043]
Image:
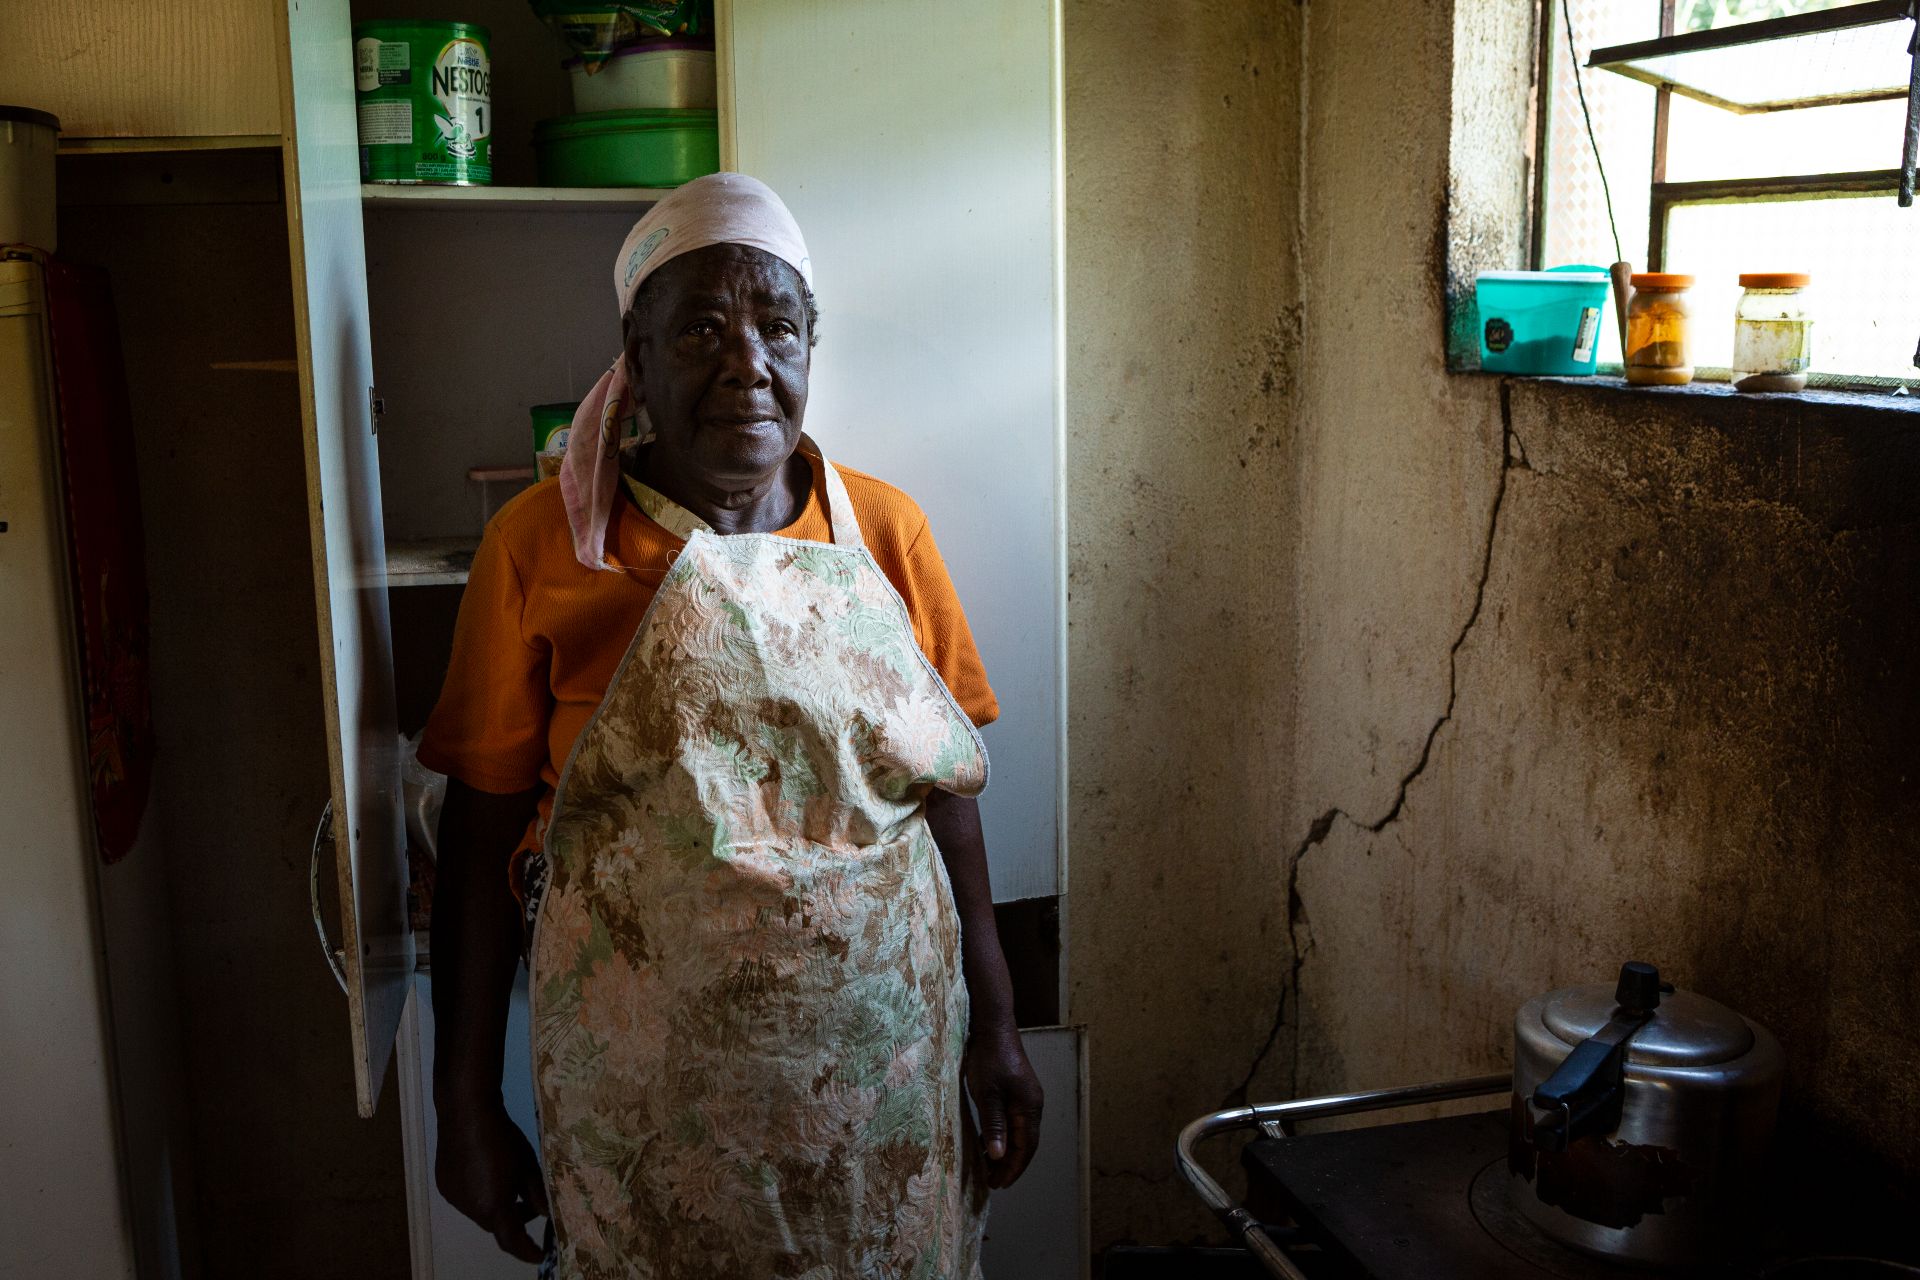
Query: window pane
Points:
[1707, 142]
[1574, 221]
[1864, 255]
[1853, 61]
[1709, 15]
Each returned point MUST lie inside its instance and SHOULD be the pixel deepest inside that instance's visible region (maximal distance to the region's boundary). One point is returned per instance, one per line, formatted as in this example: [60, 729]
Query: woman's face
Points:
[719, 346]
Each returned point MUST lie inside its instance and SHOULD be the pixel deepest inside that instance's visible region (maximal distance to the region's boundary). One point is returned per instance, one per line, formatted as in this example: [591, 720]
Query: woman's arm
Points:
[1005, 1090]
[485, 1167]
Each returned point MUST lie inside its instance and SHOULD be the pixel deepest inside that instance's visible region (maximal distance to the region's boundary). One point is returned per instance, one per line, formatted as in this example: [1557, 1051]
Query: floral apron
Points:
[748, 1007]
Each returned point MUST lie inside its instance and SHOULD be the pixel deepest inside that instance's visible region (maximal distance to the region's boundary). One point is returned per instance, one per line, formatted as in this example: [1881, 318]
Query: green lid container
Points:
[659, 148]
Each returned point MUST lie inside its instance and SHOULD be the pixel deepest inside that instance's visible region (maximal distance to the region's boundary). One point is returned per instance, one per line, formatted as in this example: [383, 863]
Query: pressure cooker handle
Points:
[1584, 1096]
[1588, 1091]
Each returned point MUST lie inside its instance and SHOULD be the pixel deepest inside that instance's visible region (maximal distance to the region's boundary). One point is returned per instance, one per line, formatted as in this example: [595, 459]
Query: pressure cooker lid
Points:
[1687, 1030]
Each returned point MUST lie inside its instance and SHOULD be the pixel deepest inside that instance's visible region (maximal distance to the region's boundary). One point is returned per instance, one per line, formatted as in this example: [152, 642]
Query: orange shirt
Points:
[540, 634]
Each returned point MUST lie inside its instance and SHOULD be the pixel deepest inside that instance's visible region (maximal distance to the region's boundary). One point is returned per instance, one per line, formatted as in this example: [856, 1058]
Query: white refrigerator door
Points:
[60, 1161]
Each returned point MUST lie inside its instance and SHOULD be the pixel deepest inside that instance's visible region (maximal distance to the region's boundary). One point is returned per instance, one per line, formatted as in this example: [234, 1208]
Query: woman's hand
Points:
[1008, 1096]
[999, 1078]
[486, 1169]
[485, 1166]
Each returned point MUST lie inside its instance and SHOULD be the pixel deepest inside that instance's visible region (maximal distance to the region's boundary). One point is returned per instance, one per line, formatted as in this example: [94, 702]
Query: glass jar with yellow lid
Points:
[1658, 320]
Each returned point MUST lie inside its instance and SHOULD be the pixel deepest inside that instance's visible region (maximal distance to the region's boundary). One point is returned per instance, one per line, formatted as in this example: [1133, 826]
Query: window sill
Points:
[1881, 405]
[1845, 461]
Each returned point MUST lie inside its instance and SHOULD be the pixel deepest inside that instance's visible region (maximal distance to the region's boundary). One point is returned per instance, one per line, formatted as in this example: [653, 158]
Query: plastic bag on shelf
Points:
[593, 29]
[422, 792]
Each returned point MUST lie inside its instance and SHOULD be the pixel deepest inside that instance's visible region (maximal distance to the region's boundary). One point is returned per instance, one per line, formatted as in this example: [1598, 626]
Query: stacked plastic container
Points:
[646, 117]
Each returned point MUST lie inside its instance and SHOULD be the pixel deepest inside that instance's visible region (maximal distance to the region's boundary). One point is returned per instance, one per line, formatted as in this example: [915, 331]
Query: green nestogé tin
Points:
[421, 89]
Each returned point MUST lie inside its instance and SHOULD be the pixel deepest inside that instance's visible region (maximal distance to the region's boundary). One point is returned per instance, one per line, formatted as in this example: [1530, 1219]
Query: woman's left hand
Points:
[1008, 1096]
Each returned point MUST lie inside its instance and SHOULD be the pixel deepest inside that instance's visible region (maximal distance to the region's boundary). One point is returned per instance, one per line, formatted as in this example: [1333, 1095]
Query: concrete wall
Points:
[1183, 167]
[1535, 678]
[1585, 675]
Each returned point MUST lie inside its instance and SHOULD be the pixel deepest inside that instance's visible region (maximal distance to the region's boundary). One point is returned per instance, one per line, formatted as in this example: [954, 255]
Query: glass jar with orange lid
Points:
[1658, 320]
[1772, 332]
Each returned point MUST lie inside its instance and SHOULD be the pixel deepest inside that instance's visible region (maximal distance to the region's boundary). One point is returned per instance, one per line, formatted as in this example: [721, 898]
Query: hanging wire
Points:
[1566, 13]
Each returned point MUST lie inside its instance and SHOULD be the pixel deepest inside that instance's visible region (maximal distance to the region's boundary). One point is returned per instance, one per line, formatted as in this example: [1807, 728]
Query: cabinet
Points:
[918, 146]
[138, 73]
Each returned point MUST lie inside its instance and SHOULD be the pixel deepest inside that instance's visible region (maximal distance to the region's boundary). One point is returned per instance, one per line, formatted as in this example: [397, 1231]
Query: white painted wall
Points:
[917, 143]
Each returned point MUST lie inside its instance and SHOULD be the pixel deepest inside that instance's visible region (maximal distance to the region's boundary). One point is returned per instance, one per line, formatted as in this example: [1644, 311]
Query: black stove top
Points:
[1427, 1200]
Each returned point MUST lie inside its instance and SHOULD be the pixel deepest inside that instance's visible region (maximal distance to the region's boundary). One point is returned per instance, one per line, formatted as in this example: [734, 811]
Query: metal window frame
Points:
[1664, 196]
[1670, 42]
[1668, 196]
[1847, 16]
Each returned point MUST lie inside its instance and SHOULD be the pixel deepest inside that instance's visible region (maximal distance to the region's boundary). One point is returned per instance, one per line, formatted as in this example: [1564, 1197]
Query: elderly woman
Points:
[712, 715]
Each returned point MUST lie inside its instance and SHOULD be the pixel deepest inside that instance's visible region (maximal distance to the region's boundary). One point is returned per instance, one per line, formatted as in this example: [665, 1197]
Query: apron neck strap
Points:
[846, 526]
[664, 511]
[683, 524]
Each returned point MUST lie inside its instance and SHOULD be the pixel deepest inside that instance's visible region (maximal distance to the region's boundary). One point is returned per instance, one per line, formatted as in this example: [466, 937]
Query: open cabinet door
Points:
[321, 148]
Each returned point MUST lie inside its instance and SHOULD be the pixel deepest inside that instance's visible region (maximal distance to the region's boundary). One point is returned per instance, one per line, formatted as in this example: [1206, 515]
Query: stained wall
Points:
[1545, 676]
[1182, 172]
[1591, 675]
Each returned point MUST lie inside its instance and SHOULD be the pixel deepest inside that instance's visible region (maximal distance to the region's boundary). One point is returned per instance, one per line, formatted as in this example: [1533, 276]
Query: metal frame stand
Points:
[1271, 1117]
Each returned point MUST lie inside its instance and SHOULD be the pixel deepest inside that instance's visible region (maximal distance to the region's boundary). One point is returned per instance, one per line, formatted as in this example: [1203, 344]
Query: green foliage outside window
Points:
[1705, 15]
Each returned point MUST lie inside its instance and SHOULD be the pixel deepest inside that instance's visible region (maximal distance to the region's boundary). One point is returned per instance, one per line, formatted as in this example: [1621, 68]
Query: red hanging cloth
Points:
[106, 549]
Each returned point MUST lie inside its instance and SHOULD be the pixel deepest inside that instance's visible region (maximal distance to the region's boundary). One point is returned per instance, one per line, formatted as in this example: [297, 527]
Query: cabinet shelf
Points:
[523, 199]
[430, 562]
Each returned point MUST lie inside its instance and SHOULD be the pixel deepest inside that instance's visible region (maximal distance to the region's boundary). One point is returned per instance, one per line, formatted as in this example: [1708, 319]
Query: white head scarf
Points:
[721, 208]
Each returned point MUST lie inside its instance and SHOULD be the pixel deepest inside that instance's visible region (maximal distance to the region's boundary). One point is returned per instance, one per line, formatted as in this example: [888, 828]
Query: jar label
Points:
[377, 63]
[1589, 333]
[385, 124]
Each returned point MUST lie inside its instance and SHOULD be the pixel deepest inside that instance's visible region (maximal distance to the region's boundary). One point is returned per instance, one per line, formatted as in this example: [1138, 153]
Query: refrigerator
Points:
[64, 1179]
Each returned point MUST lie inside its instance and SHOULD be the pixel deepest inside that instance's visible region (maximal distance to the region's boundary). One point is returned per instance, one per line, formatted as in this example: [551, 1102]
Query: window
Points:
[1710, 191]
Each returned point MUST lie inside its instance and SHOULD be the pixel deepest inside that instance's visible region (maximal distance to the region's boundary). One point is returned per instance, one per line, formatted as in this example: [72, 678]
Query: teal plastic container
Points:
[1543, 322]
[657, 148]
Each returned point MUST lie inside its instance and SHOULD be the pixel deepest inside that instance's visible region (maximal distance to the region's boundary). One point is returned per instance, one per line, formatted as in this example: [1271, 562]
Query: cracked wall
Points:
[1399, 696]
[1683, 732]
[1183, 350]
[1583, 676]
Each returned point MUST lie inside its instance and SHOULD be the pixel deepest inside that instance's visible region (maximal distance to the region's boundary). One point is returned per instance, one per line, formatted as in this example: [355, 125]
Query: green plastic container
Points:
[552, 425]
[421, 90]
[547, 419]
[627, 148]
[1541, 322]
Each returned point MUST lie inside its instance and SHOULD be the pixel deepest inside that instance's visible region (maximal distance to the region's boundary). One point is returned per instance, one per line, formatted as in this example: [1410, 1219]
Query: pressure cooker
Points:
[1641, 1118]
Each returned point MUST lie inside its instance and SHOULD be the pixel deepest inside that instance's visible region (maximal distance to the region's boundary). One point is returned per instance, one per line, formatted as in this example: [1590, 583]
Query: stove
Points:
[1429, 1200]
